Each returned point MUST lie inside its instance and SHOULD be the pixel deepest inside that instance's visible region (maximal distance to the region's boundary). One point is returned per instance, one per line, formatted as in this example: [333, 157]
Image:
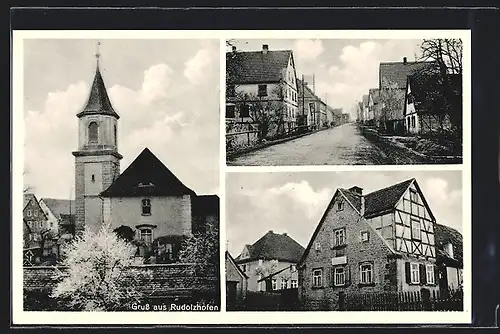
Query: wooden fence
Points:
[424, 300]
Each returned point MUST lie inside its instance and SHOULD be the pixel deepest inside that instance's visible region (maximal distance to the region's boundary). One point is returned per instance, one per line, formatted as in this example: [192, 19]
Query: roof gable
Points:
[232, 261]
[27, 198]
[249, 67]
[147, 176]
[273, 246]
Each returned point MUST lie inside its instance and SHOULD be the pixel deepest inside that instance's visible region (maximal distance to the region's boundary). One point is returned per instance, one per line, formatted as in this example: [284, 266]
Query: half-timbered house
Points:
[381, 241]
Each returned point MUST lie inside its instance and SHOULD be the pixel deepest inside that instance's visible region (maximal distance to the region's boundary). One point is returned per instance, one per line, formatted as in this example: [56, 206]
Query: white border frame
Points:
[20, 317]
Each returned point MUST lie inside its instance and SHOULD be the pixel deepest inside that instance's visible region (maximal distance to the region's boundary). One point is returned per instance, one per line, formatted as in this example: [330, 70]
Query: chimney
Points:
[404, 60]
[448, 248]
[284, 234]
[356, 190]
[234, 48]
[270, 231]
[265, 48]
[362, 211]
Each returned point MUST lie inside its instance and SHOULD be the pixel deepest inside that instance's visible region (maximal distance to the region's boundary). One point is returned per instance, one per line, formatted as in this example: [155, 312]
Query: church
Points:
[147, 198]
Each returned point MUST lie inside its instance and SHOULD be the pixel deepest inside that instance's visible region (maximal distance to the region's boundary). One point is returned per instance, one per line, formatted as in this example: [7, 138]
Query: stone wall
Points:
[169, 282]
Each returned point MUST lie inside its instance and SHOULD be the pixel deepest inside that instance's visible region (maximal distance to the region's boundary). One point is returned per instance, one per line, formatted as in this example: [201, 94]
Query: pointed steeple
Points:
[98, 102]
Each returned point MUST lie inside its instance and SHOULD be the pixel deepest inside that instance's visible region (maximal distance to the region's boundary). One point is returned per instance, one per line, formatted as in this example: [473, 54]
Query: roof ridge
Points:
[407, 62]
[393, 185]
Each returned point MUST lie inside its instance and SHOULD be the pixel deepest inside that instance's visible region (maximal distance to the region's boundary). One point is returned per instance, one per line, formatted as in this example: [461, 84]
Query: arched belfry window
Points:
[116, 137]
[93, 132]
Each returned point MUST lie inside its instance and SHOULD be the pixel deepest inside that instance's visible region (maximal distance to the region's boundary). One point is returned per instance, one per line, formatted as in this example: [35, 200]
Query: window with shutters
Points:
[366, 273]
[339, 276]
[339, 237]
[274, 284]
[414, 273]
[294, 284]
[429, 270]
[317, 278]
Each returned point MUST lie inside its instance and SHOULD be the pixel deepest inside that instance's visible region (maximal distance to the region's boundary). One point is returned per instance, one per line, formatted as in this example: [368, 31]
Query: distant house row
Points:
[45, 223]
[410, 99]
[384, 241]
[266, 81]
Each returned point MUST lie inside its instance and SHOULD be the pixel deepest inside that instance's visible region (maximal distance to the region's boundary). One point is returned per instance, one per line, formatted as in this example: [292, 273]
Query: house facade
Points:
[261, 81]
[424, 110]
[374, 109]
[313, 107]
[366, 109]
[273, 254]
[146, 201]
[379, 242]
[236, 284]
[449, 244]
[35, 221]
[392, 86]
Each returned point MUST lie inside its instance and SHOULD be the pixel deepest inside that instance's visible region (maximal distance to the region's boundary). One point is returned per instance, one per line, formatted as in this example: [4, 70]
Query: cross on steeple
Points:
[97, 54]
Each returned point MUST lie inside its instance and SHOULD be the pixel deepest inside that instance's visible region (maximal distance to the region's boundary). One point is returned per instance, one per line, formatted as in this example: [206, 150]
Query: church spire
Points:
[98, 102]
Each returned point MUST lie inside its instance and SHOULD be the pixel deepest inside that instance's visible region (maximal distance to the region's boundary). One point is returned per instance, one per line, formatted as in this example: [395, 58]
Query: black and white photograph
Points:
[121, 174]
[345, 241]
[293, 102]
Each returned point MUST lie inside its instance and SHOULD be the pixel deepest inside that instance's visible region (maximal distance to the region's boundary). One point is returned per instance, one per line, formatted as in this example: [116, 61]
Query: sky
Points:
[344, 69]
[294, 202]
[165, 91]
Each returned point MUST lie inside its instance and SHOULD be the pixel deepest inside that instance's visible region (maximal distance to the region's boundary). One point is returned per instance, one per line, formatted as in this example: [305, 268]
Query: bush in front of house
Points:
[101, 273]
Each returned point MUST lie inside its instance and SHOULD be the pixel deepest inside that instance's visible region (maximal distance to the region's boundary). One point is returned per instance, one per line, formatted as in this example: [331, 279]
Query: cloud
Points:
[357, 68]
[308, 49]
[194, 67]
[158, 115]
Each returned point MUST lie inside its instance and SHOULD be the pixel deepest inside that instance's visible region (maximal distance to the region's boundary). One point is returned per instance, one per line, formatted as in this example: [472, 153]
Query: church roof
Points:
[98, 102]
[147, 176]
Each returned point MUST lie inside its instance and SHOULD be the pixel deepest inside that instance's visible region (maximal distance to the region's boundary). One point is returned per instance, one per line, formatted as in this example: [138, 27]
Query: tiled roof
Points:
[443, 235]
[256, 67]
[354, 198]
[60, 208]
[147, 176]
[274, 246]
[397, 72]
[98, 102]
[385, 199]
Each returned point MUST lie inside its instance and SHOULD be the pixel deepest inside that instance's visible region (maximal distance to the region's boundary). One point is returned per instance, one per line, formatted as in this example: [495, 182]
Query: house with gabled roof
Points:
[393, 76]
[449, 246]
[146, 199]
[366, 110]
[268, 255]
[256, 77]
[427, 109]
[236, 284]
[373, 105]
[60, 214]
[376, 242]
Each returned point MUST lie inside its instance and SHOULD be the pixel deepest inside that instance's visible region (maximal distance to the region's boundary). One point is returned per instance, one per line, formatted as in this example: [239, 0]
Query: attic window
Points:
[340, 205]
[145, 184]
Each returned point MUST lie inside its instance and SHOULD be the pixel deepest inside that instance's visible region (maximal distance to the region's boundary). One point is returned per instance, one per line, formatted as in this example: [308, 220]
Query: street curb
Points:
[433, 158]
[234, 155]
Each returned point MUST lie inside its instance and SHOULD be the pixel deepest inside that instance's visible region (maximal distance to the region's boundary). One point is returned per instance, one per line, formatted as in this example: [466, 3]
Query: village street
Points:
[342, 145]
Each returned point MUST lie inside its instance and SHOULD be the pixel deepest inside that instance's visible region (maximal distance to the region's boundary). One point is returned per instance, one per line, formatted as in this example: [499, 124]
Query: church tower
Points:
[97, 161]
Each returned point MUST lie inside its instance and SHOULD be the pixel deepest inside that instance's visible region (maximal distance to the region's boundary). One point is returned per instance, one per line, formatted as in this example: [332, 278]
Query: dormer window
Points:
[93, 133]
[146, 206]
[145, 184]
[448, 248]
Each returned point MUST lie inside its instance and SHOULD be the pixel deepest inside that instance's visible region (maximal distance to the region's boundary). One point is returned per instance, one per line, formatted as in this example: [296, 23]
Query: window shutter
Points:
[347, 274]
[407, 272]
[423, 274]
[436, 275]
